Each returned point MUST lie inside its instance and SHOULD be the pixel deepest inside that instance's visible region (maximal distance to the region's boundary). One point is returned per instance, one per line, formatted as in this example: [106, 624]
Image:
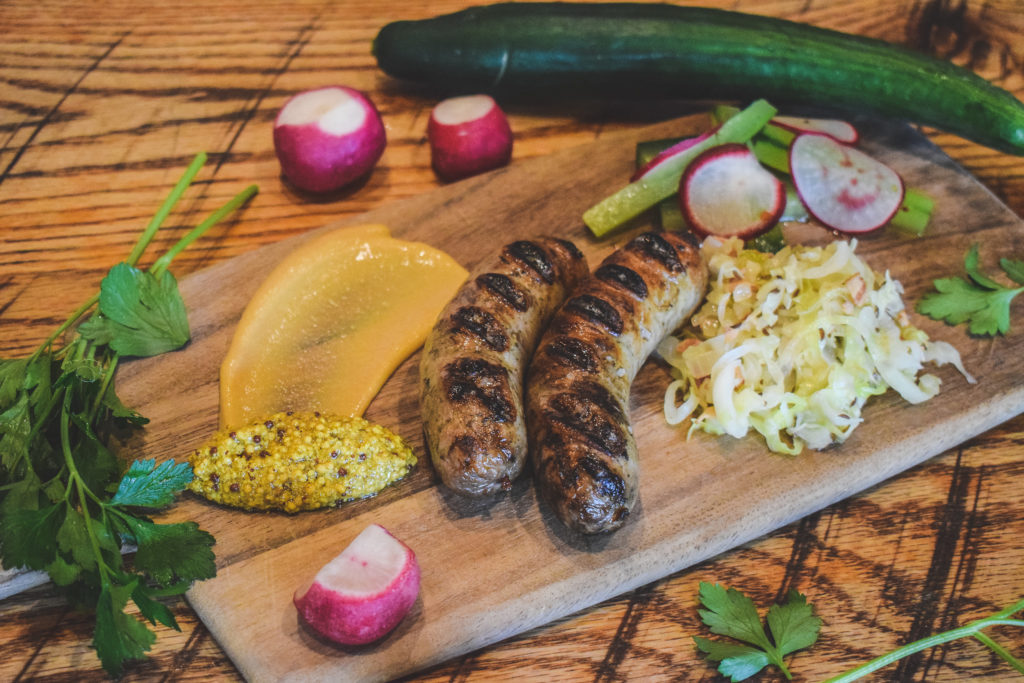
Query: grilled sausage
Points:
[474, 360]
[578, 382]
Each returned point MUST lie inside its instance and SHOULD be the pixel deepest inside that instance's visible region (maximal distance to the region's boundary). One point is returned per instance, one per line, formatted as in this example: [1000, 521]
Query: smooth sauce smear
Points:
[332, 322]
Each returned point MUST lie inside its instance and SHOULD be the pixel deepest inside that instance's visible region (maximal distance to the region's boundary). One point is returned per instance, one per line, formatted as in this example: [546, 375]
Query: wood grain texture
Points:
[100, 108]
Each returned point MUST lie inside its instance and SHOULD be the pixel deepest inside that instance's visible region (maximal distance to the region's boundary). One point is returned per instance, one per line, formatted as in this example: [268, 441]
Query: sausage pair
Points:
[577, 383]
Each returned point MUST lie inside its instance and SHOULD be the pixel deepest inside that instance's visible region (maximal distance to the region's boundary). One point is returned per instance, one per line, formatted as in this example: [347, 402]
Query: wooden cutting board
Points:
[494, 568]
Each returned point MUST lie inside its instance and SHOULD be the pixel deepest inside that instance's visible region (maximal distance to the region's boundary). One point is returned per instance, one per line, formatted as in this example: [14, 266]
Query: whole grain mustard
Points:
[299, 461]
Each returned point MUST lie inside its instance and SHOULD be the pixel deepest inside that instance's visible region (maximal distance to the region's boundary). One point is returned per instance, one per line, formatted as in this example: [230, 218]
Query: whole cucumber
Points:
[618, 50]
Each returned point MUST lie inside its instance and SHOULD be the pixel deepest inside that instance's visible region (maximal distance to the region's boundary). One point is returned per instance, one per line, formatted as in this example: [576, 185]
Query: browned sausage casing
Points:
[474, 361]
[578, 383]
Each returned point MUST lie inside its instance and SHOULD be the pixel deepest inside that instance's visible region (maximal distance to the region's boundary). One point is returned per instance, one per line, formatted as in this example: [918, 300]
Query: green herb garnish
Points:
[66, 505]
[977, 300]
[974, 628]
[729, 612]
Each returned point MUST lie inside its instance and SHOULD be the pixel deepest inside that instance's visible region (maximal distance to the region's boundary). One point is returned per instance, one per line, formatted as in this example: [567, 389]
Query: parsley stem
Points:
[165, 209]
[972, 629]
[108, 376]
[162, 263]
[1001, 651]
[79, 312]
[80, 488]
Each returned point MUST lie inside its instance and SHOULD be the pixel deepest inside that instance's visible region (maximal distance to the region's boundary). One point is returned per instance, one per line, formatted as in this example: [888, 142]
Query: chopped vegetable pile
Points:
[793, 344]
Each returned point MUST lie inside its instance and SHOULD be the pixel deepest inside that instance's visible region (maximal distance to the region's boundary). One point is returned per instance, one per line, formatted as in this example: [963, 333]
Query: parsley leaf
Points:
[729, 612]
[172, 551]
[980, 301]
[119, 637]
[1013, 268]
[28, 538]
[147, 485]
[141, 314]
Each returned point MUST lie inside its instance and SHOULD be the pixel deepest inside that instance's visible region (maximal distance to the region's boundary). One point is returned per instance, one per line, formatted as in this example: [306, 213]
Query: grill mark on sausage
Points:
[654, 246]
[624, 277]
[473, 379]
[476, 322]
[609, 483]
[590, 423]
[570, 247]
[505, 289]
[533, 257]
[597, 311]
[572, 352]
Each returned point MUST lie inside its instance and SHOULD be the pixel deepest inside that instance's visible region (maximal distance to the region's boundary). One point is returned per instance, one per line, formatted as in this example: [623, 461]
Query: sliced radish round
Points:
[725, 192]
[834, 128]
[670, 152]
[842, 187]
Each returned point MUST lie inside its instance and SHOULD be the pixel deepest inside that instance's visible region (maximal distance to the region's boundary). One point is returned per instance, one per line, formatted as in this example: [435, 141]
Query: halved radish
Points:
[468, 135]
[725, 192]
[842, 187]
[363, 593]
[834, 128]
[668, 153]
[328, 137]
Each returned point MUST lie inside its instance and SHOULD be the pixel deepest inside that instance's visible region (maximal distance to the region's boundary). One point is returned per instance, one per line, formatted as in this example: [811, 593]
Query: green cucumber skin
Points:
[619, 50]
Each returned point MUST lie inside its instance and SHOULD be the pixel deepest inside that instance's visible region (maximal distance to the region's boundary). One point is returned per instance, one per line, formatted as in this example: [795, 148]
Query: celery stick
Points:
[779, 135]
[663, 180]
[771, 154]
[918, 200]
[795, 209]
[648, 149]
[671, 215]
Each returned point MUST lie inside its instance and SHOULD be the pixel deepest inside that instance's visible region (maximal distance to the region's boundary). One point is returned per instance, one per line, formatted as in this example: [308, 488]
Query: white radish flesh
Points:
[725, 192]
[834, 128]
[842, 187]
[468, 135]
[363, 593]
[328, 138]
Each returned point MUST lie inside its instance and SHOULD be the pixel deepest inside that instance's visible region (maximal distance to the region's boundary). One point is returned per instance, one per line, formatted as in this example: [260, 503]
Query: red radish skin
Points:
[468, 135]
[668, 153]
[725, 192]
[328, 138]
[841, 186]
[362, 594]
[837, 129]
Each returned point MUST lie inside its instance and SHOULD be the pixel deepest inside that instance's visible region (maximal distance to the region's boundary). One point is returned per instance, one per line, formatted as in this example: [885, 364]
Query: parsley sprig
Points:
[66, 505]
[974, 628]
[728, 612]
[978, 300]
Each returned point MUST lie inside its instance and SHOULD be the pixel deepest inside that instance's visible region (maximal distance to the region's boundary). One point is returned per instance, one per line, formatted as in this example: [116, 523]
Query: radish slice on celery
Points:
[842, 187]
[668, 153]
[725, 192]
[834, 128]
[663, 180]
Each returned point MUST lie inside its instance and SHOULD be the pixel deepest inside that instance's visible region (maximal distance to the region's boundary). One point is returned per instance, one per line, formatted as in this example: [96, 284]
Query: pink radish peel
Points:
[328, 138]
[468, 135]
[363, 593]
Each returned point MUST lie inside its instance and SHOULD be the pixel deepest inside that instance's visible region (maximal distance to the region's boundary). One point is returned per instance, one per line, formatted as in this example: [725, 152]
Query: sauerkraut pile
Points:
[792, 345]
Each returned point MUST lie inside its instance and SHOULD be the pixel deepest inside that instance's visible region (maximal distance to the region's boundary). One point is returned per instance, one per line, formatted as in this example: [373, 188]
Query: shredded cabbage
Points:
[793, 344]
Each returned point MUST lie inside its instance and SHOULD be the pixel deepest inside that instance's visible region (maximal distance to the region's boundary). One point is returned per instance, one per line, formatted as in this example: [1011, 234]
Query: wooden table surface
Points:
[102, 106]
